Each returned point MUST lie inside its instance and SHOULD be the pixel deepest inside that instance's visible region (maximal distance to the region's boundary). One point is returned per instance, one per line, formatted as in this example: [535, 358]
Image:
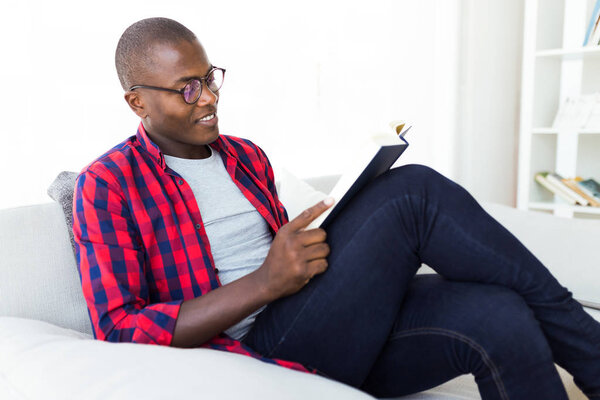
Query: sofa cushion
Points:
[295, 194]
[38, 270]
[42, 361]
[61, 191]
[33, 366]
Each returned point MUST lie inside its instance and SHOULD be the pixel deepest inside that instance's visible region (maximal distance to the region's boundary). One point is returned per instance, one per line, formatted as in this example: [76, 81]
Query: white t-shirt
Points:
[239, 236]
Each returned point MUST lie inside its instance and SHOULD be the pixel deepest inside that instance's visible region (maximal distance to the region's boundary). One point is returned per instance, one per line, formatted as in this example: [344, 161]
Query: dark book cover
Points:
[383, 160]
[591, 187]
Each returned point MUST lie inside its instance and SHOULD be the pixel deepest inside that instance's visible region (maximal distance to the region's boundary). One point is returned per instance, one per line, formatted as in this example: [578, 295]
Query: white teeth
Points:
[208, 117]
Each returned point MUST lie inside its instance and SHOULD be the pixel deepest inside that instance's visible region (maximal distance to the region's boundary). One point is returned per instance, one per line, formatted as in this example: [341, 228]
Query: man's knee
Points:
[420, 176]
[417, 172]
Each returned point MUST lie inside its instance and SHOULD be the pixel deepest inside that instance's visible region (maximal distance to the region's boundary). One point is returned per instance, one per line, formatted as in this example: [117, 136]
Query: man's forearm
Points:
[206, 316]
[295, 256]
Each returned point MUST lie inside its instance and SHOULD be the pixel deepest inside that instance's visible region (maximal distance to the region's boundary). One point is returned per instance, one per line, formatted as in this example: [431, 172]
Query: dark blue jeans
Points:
[494, 310]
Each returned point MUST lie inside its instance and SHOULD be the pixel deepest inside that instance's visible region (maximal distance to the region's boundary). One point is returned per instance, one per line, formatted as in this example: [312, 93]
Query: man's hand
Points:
[296, 255]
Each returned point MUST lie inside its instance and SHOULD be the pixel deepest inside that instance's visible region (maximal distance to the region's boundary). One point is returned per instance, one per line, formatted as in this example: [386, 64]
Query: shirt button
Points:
[216, 270]
[198, 226]
[180, 182]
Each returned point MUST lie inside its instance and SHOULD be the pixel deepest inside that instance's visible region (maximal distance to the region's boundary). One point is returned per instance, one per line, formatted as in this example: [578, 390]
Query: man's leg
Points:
[341, 320]
[448, 328]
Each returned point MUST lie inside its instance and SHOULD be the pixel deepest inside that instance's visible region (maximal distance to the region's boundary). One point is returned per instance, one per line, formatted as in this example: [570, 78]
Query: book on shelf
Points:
[573, 184]
[595, 41]
[372, 158]
[592, 34]
[557, 180]
[541, 178]
[569, 189]
[591, 187]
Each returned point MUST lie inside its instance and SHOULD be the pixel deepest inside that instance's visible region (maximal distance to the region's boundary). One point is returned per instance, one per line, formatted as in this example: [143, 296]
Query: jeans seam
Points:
[423, 232]
[366, 221]
[474, 345]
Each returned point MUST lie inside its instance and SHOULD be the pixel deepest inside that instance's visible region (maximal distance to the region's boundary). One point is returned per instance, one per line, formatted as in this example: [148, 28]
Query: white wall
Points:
[490, 81]
[305, 81]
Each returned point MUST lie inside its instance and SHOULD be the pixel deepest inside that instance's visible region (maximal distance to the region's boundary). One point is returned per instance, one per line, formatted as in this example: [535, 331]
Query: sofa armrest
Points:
[38, 269]
[568, 247]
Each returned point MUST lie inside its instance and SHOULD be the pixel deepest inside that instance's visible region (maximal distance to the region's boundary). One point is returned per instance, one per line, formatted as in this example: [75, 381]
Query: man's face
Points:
[170, 122]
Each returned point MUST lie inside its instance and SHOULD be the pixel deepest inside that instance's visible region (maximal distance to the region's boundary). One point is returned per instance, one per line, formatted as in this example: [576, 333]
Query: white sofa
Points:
[47, 351]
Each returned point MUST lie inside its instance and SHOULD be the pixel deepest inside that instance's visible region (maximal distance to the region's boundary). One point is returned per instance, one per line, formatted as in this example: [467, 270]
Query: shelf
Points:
[554, 206]
[552, 131]
[589, 132]
[575, 53]
[555, 67]
[544, 131]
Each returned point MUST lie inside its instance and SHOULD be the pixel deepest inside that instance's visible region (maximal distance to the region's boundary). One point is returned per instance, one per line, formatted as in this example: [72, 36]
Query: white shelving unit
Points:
[556, 66]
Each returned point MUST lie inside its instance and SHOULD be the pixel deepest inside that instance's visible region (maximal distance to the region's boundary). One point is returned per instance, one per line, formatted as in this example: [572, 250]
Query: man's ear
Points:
[136, 104]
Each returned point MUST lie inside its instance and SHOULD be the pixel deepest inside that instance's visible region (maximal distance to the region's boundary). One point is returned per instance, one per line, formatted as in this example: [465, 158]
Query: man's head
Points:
[162, 53]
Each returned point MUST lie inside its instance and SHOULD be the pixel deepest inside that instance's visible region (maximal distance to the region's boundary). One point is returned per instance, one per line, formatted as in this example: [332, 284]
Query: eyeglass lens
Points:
[191, 91]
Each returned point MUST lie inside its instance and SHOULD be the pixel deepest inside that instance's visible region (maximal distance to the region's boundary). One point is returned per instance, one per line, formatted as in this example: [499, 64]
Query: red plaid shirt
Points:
[140, 242]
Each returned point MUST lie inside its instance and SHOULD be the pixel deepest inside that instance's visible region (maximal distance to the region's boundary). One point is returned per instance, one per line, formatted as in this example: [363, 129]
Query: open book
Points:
[373, 158]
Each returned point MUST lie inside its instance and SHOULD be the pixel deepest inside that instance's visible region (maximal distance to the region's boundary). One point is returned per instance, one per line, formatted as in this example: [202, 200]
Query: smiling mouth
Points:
[208, 117]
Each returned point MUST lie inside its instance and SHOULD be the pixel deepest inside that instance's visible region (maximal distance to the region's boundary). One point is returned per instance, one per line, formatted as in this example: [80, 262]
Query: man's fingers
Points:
[312, 236]
[316, 251]
[317, 266]
[310, 214]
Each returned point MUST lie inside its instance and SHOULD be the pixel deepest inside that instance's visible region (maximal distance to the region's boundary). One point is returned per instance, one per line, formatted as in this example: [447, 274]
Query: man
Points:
[181, 240]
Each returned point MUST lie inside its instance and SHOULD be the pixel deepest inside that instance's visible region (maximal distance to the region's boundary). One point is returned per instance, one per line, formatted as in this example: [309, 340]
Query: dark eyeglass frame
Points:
[202, 80]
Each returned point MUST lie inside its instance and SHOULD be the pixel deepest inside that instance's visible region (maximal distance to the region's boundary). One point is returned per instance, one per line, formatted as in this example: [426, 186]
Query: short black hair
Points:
[133, 50]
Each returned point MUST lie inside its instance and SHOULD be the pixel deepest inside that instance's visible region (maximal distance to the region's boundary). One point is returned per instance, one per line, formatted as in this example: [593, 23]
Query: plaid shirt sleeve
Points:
[110, 259]
[271, 184]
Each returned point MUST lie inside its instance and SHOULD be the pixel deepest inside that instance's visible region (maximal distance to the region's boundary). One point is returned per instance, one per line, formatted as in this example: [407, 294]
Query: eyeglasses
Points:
[193, 89]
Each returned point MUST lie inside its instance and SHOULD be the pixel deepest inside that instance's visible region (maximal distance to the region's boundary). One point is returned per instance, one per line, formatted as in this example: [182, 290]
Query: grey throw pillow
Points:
[61, 191]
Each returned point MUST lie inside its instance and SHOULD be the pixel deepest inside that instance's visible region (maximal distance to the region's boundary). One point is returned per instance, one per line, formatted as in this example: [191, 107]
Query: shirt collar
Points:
[155, 152]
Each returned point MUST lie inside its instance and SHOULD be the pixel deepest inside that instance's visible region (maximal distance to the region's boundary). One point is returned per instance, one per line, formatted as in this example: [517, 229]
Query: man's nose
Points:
[207, 96]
